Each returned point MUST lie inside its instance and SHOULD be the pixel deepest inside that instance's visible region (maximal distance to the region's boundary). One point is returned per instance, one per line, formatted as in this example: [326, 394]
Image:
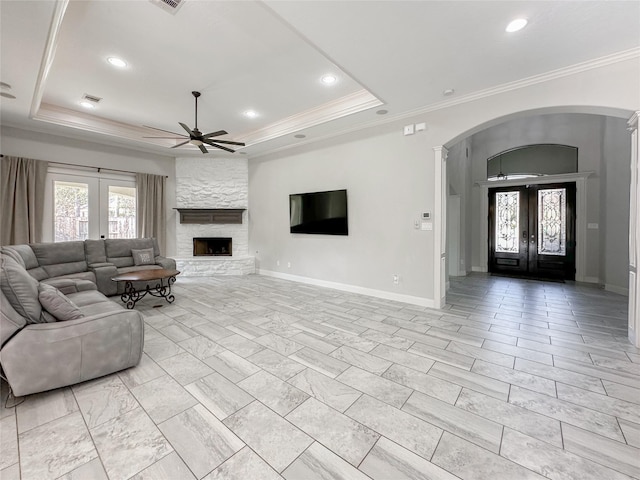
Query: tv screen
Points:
[319, 212]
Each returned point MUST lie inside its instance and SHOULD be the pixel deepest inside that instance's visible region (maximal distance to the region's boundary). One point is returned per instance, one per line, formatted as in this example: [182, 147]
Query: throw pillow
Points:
[143, 256]
[57, 303]
[20, 289]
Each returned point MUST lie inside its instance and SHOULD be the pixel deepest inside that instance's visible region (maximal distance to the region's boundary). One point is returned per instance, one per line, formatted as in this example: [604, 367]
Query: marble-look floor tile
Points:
[443, 356]
[240, 345]
[8, 442]
[518, 352]
[232, 366]
[531, 423]
[185, 368]
[213, 331]
[469, 426]
[160, 347]
[244, 465]
[544, 458]
[177, 332]
[515, 377]
[604, 373]
[623, 392]
[327, 390]
[470, 462]
[389, 461]
[163, 398]
[220, 396]
[615, 455]
[435, 387]
[247, 330]
[422, 338]
[401, 357]
[201, 347]
[284, 346]
[315, 342]
[273, 392]
[483, 354]
[388, 340]
[312, 327]
[560, 375]
[554, 350]
[479, 383]
[170, 467]
[325, 364]
[102, 399]
[129, 443]
[361, 360]
[373, 321]
[274, 363]
[55, 448]
[201, 440]
[352, 340]
[12, 472]
[631, 431]
[91, 470]
[375, 386]
[318, 463]
[273, 438]
[341, 434]
[589, 348]
[576, 415]
[406, 430]
[601, 403]
[41, 408]
[145, 371]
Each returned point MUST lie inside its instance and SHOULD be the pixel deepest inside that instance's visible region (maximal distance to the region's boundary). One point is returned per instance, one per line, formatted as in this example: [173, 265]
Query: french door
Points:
[85, 206]
[532, 230]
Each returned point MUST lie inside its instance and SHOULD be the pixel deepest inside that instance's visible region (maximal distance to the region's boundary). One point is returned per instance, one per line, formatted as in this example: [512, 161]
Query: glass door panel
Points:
[122, 211]
[552, 221]
[507, 222]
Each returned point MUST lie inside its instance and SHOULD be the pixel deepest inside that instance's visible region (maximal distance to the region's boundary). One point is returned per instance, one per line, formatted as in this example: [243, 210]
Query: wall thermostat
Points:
[426, 215]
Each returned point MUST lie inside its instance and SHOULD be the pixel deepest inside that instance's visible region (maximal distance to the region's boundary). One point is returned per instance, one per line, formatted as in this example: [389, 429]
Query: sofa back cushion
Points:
[20, 290]
[23, 254]
[119, 249]
[10, 320]
[94, 251]
[62, 258]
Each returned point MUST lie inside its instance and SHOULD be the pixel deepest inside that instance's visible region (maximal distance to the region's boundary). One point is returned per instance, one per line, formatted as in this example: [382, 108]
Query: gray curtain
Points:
[22, 183]
[151, 207]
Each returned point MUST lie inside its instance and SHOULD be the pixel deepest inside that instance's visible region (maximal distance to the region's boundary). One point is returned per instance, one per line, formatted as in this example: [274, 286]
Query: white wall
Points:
[390, 181]
[51, 148]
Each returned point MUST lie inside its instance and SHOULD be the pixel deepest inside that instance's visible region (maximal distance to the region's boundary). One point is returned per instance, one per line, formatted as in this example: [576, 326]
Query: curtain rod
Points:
[99, 169]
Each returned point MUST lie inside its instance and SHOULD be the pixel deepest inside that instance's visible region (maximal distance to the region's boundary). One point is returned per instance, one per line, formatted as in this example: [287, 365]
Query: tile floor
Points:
[254, 378]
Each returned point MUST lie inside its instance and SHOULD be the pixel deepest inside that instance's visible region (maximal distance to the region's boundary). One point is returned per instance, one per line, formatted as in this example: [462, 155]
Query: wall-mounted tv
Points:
[322, 213]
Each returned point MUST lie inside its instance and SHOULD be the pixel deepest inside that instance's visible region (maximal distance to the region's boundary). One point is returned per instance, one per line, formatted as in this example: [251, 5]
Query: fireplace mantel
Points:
[210, 215]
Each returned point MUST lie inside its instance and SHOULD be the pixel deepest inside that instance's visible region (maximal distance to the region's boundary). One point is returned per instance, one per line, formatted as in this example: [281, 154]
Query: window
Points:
[87, 205]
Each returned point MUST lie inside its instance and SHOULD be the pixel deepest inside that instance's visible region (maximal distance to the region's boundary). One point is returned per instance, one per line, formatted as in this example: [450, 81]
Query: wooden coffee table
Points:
[162, 289]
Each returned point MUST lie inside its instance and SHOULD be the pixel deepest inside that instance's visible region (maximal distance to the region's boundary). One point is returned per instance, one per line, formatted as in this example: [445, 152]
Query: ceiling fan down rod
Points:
[196, 95]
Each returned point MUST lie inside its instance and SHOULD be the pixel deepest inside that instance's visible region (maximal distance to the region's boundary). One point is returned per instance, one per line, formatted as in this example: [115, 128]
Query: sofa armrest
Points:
[46, 356]
[71, 285]
[166, 263]
[104, 272]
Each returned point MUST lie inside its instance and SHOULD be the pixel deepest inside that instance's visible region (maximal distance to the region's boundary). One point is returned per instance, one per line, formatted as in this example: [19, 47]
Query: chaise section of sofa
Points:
[39, 352]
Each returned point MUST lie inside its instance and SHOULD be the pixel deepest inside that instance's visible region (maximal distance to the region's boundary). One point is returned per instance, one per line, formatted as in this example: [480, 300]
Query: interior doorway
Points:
[532, 231]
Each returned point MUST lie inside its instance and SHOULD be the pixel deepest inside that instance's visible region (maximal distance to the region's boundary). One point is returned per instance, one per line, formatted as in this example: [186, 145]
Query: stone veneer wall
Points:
[213, 183]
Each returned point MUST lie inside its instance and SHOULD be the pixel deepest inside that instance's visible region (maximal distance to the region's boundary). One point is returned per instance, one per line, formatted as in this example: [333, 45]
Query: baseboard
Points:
[479, 269]
[616, 289]
[398, 297]
[590, 280]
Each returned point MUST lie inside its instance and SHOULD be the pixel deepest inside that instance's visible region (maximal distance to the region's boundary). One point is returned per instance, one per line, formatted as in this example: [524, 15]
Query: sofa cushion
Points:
[57, 304]
[119, 250]
[143, 257]
[63, 258]
[20, 289]
[94, 251]
[23, 254]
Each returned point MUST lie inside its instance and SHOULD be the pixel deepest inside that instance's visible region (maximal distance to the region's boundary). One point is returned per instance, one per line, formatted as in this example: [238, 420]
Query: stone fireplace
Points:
[212, 231]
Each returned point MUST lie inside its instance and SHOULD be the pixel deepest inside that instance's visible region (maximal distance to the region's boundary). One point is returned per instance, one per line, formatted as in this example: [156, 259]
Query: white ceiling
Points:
[269, 56]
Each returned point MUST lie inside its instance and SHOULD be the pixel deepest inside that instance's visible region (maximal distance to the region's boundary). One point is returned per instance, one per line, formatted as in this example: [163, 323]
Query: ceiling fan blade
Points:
[181, 137]
[166, 131]
[209, 142]
[227, 142]
[187, 129]
[214, 134]
[180, 144]
[202, 149]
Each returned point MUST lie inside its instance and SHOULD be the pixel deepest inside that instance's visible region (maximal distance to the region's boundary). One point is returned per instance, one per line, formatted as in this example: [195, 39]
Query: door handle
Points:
[524, 234]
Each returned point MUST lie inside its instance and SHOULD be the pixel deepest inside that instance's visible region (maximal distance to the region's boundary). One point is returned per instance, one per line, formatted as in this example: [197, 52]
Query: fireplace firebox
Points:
[212, 246]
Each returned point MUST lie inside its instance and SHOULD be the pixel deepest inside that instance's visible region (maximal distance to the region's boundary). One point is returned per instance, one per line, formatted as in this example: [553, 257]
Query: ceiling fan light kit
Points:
[196, 137]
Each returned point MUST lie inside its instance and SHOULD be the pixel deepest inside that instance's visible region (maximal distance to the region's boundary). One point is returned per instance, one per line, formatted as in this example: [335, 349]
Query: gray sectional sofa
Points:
[54, 337]
[95, 260]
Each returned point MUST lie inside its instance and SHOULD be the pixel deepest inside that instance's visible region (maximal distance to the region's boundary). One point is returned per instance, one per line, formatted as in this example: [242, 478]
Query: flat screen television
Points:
[322, 213]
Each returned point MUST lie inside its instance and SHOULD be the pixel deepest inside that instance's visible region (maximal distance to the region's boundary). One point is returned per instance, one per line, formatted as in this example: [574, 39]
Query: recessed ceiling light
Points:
[251, 114]
[382, 112]
[300, 135]
[517, 24]
[117, 62]
[329, 79]
[87, 104]
[448, 92]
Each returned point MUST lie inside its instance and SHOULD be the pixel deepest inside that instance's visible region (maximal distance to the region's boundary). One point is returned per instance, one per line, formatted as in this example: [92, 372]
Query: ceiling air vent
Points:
[171, 6]
[91, 98]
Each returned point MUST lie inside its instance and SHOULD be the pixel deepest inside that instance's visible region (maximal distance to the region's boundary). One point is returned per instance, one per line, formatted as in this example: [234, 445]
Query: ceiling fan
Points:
[196, 137]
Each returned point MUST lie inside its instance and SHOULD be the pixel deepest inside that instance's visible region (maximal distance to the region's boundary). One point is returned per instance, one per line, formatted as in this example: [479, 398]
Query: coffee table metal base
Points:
[131, 296]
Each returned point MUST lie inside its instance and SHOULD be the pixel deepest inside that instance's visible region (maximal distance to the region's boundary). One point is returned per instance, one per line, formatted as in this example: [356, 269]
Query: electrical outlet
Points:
[409, 130]
[396, 279]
